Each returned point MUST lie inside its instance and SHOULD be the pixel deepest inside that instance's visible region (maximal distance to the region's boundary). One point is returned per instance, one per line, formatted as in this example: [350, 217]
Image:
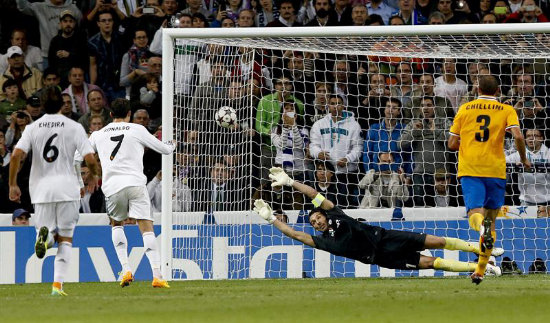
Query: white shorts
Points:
[133, 202]
[60, 217]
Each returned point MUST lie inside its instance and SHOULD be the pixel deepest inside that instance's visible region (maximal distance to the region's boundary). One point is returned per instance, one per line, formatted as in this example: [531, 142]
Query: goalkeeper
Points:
[347, 237]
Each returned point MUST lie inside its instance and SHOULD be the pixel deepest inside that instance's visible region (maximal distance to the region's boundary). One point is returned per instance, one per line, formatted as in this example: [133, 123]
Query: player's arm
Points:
[152, 142]
[280, 178]
[265, 211]
[93, 166]
[454, 142]
[454, 131]
[520, 145]
[15, 164]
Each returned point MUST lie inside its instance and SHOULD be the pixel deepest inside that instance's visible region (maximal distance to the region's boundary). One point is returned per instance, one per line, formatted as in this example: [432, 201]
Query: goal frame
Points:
[170, 34]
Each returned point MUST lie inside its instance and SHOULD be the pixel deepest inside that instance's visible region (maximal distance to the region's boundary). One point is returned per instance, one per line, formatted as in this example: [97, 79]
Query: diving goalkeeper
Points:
[347, 237]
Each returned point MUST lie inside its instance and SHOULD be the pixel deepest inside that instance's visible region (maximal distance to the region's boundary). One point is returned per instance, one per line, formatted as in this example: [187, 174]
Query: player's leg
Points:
[117, 209]
[474, 198]
[67, 218]
[45, 223]
[496, 189]
[140, 209]
[447, 243]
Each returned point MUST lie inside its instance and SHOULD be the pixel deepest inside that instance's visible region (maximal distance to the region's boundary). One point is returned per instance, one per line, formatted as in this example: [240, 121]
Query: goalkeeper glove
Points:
[279, 177]
[264, 210]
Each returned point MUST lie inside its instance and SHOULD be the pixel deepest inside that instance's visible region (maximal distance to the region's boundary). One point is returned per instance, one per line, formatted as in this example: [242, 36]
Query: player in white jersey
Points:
[120, 147]
[53, 183]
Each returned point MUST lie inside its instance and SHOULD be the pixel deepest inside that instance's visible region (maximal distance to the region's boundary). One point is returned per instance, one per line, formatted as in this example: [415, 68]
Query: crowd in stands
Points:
[367, 131]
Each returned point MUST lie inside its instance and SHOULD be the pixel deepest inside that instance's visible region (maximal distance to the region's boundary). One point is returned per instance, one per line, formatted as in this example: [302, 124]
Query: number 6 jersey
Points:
[53, 140]
[481, 125]
[120, 146]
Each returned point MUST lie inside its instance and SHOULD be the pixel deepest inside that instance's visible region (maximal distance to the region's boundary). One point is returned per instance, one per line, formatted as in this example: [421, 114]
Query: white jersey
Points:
[54, 139]
[120, 147]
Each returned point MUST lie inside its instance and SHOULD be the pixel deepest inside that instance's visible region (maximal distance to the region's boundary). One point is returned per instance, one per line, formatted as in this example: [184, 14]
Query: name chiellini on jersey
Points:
[120, 146]
[54, 139]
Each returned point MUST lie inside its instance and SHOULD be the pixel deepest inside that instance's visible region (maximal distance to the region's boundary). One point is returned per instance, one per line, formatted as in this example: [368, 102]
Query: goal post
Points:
[201, 240]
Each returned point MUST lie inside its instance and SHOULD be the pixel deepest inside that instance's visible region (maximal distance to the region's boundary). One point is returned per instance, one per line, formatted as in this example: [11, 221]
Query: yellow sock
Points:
[453, 265]
[484, 256]
[475, 221]
[459, 244]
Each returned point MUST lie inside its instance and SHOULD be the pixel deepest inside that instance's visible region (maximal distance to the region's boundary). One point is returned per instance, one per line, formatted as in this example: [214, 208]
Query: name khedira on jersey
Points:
[56, 124]
[117, 128]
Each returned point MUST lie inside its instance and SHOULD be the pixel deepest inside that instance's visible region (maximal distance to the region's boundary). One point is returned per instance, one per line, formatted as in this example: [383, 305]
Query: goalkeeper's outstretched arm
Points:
[280, 178]
[265, 211]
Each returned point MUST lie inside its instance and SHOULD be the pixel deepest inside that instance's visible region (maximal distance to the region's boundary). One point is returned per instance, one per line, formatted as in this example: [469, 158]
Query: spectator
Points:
[384, 137]
[266, 13]
[324, 14]
[424, 7]
[403, 89]
[337, 139]
[90, 202]
[359, 15]
[319, 107]
[78, 90]
[68, 48]
[346, 84]
[489, 18]
[375, 98]
[170, 7]
[49, 78]
[182, 198]
[20, 217]
[227, 23]
[375, 20]
[106, 51]
[28, 79]
[287, 15]
[445, 191]
[19, 120]
[13, 100]
[436, 18]
[325, 183]
[385, 187]
[149, 22]
[134, 62]
[97, 107]
[426, 137]
[214, 194]
[96, 123]
[382, 9]
[425, 87]
[534, 187]
[290, 139]
[47, 14]
[196, 6]
[529, 12]
[397, 21]
[246, 18]
[450, 86]
[103, 6]
[34, 108]
[343, 11]
[200, 21]
[409, 14]
[145, 94]
[475, 69]
[67, 108]
[33, 55]
[141, 117]
[302, 83]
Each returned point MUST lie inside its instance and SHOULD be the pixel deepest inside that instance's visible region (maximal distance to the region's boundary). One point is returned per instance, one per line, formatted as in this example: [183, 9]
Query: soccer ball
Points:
[226, 117]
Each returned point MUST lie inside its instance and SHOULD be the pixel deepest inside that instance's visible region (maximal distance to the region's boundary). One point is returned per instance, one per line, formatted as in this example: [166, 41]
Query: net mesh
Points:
[385, 154]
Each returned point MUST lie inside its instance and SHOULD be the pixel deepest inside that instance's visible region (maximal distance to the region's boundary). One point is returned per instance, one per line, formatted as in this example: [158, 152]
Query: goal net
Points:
[362, 115]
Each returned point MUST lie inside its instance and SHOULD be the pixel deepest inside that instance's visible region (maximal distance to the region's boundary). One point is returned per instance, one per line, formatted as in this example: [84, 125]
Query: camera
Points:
[500, 10]
[528, 102]
[460, 4]
[148, 10]
[530, 8]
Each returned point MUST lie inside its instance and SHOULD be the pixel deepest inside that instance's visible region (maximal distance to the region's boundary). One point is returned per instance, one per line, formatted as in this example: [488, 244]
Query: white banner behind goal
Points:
[396, 90]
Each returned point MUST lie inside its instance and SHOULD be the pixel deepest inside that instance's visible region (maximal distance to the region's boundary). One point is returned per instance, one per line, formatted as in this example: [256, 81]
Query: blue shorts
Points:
[483, 192]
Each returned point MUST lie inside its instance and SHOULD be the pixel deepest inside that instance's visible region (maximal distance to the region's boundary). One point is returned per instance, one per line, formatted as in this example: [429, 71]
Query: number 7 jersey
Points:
[481, 125]
[53, 140]
[120, 146]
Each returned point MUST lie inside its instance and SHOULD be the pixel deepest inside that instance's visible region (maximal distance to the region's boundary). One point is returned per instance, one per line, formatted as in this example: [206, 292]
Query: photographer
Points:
[529, 12]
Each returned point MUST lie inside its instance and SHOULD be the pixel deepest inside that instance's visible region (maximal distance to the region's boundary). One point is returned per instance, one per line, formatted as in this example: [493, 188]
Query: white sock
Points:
[61, 263]
[121, 247]
[152, 252]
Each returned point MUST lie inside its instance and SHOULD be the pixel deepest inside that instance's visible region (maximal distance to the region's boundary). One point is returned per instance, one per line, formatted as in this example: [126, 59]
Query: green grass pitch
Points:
[456, 299]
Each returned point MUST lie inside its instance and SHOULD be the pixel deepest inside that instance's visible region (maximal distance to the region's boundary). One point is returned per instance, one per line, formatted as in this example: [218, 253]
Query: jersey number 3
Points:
[117, 147]
[483, 135]
[50, 152]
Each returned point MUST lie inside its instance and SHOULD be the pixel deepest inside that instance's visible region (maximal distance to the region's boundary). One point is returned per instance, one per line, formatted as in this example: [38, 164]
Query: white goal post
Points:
[494, 41]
